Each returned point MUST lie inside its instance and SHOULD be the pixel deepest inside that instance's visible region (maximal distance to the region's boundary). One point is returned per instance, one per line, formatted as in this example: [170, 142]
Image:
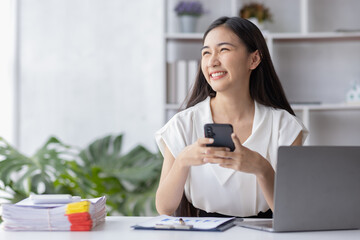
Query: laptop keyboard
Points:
[260, 223]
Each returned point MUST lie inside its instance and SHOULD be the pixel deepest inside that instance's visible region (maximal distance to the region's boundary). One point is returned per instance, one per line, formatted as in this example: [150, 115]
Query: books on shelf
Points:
[82, 215]
[171, 83]
[181, 81]
[193, 66]
[180, 78]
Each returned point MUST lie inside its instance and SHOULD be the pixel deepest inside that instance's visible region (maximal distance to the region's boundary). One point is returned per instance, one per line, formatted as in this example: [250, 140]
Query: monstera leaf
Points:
[21, 175]
[128, 181]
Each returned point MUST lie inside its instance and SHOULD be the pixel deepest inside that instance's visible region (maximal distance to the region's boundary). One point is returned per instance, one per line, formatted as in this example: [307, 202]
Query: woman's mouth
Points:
[217, 75]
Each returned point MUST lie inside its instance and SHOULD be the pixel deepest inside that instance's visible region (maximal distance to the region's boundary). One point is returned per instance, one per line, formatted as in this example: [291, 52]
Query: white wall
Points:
[7, 71]
[89, 68]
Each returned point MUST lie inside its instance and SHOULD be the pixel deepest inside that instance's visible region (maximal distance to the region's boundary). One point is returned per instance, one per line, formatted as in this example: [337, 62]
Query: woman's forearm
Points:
[266, 180]
[170, 190]
[266, 175]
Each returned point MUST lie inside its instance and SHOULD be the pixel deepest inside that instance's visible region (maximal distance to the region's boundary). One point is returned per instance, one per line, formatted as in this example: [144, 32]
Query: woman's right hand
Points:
[194, 154]
[175, 172]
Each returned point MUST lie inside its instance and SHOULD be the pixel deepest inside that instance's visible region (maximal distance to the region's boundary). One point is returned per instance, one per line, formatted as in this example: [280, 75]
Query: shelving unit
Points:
[307, 56]
[274, 37]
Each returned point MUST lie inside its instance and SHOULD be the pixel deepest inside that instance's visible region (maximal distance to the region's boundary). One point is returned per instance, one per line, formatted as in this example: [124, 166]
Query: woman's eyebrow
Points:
[219, 44]
[204, 47]
[226, 43]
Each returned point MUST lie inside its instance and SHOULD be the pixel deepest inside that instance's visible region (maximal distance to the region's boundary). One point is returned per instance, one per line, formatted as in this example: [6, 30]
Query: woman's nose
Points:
[213, 61]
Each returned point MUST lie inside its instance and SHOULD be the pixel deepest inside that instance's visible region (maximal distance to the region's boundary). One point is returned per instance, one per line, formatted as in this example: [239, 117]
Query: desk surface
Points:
[120, 228]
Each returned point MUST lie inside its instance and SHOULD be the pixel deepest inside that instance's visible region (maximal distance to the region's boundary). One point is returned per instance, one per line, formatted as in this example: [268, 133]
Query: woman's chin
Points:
[219, 88]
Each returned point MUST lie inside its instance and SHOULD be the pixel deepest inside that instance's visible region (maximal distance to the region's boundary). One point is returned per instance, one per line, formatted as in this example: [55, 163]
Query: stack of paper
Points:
[77, 216]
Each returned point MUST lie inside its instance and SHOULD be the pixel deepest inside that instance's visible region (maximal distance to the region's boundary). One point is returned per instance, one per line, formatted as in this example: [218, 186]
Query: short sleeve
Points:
[184, 128]
[290, 127]
[171, 135]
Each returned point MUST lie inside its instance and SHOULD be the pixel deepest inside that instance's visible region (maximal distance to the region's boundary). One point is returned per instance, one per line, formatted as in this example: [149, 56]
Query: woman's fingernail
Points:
[211, 140]
[206, 160]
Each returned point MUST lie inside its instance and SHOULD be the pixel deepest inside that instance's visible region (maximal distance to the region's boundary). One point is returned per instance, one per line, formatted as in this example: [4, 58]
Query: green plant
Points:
[255, 10]
[128, 181]
[21, 175]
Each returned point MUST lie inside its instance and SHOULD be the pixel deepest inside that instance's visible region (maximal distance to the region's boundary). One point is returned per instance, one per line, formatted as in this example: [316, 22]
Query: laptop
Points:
[316, 188]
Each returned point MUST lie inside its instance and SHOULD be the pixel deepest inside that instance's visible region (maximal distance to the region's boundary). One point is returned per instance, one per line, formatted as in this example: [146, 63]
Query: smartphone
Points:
[221, 133]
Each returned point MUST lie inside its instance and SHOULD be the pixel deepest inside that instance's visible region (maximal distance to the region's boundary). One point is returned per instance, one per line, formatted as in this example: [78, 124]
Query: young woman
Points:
[236, 84]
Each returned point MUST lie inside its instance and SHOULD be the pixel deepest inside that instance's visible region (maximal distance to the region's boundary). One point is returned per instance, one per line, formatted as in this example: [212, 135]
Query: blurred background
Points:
[81, 70]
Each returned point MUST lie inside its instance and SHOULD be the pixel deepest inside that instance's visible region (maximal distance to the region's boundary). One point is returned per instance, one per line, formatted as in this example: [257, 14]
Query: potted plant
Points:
[257, 13]
[189, 12]
[128, 181]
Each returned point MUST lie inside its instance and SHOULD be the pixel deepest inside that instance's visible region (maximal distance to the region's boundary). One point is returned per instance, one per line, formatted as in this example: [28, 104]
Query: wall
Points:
[7, 83]
[89, 68]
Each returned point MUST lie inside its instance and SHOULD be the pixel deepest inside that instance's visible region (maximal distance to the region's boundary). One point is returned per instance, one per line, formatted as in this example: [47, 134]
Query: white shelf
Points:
[301, 107]
[184, 36]
[326, 107]
[314, 36]
[307, 53]
[278, 36]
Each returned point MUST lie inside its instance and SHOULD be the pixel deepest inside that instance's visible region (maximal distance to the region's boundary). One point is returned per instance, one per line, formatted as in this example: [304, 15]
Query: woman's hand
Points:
[194, 154]
[246, 160]
[175, 172]
[242, 159]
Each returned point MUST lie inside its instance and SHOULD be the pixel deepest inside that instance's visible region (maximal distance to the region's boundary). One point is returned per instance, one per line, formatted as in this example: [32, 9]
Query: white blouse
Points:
[216, 189]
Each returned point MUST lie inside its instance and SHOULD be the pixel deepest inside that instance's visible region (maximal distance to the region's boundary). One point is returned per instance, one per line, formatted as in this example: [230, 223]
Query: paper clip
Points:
[180, 225]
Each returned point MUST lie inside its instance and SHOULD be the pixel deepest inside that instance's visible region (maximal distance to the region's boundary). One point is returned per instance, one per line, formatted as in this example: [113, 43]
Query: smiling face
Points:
[226, 63]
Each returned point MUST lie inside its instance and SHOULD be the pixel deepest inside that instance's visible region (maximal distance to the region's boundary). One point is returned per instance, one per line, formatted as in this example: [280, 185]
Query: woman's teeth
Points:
[217, 74]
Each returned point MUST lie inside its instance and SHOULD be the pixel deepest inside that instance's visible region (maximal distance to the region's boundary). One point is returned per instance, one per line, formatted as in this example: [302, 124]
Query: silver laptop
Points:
[316, 188]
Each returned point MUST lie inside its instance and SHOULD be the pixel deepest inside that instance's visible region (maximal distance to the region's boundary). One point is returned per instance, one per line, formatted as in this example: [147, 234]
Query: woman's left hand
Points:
[242, 159]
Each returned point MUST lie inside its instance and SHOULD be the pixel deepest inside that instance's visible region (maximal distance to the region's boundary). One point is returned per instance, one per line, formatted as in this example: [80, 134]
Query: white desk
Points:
[119, 228]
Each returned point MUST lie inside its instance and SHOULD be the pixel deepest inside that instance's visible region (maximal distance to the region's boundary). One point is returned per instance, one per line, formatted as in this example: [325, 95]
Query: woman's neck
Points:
[232, 109]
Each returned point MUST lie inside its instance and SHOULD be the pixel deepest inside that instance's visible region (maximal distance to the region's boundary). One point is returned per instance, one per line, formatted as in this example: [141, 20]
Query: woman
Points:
[236, 84]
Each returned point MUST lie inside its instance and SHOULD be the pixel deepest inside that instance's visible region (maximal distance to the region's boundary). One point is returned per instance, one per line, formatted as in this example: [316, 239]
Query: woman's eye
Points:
[205, 53]
[223, 49]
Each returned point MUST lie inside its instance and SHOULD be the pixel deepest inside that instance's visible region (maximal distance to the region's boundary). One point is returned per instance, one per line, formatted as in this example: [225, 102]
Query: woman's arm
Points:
[266, 177]
[171, 185]
[174, 174]
[298, 140]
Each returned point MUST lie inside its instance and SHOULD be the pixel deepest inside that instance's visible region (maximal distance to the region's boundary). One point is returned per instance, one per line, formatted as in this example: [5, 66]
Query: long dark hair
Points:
[264, 87]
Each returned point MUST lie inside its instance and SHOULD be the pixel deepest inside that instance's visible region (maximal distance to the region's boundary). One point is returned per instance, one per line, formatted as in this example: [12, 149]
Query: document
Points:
[165, 222]
[81, 215]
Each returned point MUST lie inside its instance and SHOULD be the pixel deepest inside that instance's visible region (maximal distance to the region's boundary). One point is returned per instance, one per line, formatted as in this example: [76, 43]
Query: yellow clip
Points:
[78, 207]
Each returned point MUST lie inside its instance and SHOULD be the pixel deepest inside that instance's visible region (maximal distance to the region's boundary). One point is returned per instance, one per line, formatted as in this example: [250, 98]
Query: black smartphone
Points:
[221, 133]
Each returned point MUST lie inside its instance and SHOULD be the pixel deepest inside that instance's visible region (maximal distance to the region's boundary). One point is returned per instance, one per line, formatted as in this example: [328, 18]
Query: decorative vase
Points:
[188, 23]
[255, 21]
[353, 95]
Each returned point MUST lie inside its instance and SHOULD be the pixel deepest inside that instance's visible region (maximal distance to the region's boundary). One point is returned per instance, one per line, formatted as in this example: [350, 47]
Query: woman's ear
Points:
[255, 59]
